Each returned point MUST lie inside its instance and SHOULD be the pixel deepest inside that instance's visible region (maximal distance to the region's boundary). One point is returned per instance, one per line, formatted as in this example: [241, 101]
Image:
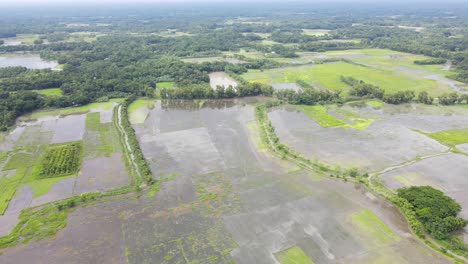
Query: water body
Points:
[31, 61]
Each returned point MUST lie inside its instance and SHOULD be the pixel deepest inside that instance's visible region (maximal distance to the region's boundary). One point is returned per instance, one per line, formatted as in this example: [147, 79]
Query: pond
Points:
[31, 61]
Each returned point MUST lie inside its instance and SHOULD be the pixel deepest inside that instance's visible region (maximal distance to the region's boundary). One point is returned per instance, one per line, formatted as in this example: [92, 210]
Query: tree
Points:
[425, 98]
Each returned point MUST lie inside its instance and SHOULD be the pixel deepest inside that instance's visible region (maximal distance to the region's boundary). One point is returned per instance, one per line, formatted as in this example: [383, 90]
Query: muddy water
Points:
[29, 61]
[227, 201]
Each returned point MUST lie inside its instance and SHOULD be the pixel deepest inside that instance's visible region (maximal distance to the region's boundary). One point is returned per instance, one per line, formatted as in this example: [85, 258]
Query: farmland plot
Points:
[56, 156]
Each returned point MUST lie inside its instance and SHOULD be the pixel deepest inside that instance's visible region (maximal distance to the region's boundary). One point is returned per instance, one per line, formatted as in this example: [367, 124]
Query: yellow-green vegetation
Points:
[373, 232]
[61, 160]
[165, 84]
[255, 135]
[138, 110]
[376, 104]
[315, 32]
[320, 114]
[101, 139]
[414, 179]
[328, 76]
[449, 138]
[71, 110]
[27, 38]
[52, 92]
[42, 186]
[21, 163]
[293, 255]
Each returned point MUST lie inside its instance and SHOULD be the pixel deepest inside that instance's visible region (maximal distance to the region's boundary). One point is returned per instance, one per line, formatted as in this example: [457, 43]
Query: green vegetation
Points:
[129, 136]
[52, 92]
[61, 160]
[101, 139]
[375, 104]
[328, 76]
[437, 212]
[373, 229]
[293, 255]
[321, 116]
[450, 138]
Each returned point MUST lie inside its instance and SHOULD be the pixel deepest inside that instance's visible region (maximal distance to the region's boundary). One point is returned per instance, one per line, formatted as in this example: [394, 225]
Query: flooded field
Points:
[227, 200]
[221, 79]
[391, 138]
[101, 165]
[31, 61]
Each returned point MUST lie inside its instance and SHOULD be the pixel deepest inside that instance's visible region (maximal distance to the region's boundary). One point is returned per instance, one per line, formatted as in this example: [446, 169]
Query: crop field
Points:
[60, 154]
[228, 201]
[60, 160]
[393, 71]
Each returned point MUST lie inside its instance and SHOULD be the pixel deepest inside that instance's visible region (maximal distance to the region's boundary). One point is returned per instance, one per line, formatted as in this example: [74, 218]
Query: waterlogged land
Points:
[56, 154]
[408, 145]
[227, 199]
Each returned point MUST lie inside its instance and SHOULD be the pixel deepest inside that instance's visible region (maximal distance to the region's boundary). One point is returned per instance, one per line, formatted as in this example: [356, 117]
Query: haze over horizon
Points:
[21, 3]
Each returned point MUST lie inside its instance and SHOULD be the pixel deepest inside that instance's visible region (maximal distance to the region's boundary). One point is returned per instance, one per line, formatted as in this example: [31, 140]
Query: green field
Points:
[52, 92]
[328, 76]
[101, 139]
[320, 114]
[293, 255]
[450, 138]
[372, 230]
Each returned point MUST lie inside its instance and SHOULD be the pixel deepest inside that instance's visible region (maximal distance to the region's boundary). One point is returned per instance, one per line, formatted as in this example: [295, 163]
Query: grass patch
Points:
[52, 92]
[165, 85]
[293, 255]
[376, 104]
[21, 162]
[101, 139]
[61, 160]
[375, 232]
[449, 138]
[254, 130]
[138, 110]
[320, 115]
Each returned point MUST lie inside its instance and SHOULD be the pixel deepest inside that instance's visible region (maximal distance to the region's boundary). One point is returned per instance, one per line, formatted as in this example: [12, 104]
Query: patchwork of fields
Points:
[393, 71]
[56, 154]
